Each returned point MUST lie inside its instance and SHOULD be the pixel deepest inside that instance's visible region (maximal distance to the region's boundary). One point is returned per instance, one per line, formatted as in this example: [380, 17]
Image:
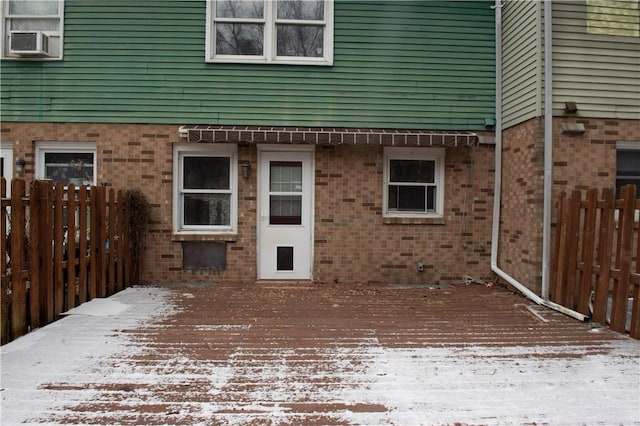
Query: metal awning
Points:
[326, 136]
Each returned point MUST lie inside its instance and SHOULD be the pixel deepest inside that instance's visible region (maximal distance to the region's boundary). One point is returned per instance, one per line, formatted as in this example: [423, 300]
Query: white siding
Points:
[521, 63]
[600, 72]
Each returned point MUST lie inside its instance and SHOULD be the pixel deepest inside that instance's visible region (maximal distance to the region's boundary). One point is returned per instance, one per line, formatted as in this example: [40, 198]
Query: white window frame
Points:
[43, 148]
[58, 35]
[270, 48]
[430, 154]
[204, 150]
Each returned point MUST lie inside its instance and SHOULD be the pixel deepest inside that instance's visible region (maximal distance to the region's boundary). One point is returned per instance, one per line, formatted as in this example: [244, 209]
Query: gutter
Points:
[548, 162]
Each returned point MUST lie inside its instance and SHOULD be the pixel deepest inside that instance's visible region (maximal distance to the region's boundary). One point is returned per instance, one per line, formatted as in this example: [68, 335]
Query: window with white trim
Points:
[206, 188]
[413, 182]
[270, 31]
[67, 162]
[627, 165]
[32, 29]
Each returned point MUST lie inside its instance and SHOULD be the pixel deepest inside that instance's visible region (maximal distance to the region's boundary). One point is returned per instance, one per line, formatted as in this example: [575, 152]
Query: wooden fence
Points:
[595, 268]
[62, 246]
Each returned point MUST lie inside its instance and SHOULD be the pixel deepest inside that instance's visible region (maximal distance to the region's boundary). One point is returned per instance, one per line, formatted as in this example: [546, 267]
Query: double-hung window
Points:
[627, 165]
[413, 182]
[270, 31]
[67, 162]
[205, 197]
[32, 29]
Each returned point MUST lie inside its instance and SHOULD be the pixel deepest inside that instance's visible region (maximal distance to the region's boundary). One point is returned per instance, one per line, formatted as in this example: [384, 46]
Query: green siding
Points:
[415, 64]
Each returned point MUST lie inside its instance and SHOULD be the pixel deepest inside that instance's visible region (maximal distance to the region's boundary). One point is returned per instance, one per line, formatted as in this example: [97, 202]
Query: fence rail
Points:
[62, 246]
[595, 268]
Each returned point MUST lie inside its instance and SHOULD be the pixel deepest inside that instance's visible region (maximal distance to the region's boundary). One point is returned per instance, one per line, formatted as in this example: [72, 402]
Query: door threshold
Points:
[294, 284]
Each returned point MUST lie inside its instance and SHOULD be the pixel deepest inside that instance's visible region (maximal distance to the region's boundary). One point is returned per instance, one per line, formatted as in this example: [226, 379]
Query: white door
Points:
[6, 163]
[285, 219]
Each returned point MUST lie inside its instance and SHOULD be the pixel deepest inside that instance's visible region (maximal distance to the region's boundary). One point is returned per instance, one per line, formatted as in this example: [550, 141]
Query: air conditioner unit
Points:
[29, 43]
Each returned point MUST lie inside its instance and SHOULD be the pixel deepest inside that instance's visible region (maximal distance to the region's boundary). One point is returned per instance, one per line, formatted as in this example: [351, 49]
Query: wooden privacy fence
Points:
[62, 246]
[595, 268]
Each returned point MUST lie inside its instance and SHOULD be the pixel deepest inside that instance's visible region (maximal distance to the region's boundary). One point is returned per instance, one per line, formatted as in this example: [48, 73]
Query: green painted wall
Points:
[414, 64]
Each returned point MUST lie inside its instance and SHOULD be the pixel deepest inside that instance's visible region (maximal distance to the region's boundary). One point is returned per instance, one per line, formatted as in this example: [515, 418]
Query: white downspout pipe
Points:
[495, 229]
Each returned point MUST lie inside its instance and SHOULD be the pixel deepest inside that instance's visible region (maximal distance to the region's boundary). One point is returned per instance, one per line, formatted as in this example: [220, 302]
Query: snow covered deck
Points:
[278, 353]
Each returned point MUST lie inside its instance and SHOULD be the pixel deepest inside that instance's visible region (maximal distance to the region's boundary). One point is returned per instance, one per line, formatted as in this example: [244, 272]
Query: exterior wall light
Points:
[20, 163]
[245, 166]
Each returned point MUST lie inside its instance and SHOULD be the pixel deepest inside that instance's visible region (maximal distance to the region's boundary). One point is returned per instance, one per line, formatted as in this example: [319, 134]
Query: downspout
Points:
[495, 229]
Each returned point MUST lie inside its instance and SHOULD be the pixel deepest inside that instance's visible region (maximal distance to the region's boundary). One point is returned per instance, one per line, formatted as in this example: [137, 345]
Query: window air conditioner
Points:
[29, 43]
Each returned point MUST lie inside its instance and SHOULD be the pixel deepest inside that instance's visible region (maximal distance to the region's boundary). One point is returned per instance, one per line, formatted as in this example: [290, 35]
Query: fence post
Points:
[18, 285]
[46, 253]
[71, 246]
[634, 330]
[4, 296]
[621, 287]
[111, 204]
[573, 238]
[588, 243]
[84, 257]
[58, 238]
[605, 240]
[560, 259]
[120, 240]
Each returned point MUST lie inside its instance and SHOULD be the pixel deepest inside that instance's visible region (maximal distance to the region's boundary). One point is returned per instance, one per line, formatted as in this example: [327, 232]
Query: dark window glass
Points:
[418, 171]
[69, 167]
[301, 9]
[627, 169]
[239, 8]
[207, 209]
[206, 173]
[239, 39]
[300, 40]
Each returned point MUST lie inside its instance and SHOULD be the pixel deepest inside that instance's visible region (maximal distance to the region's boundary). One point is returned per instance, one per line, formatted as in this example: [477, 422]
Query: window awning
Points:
[326, 136]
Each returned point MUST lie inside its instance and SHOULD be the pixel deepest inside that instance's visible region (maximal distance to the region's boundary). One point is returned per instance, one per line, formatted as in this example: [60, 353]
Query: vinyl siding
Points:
[521, 78]
[600, 72]
[396, 65]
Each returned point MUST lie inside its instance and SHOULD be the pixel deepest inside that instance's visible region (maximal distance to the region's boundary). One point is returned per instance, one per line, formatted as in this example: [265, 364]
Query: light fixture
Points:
[570, 107]
[572, 128]
[20, 163]
[245, 165]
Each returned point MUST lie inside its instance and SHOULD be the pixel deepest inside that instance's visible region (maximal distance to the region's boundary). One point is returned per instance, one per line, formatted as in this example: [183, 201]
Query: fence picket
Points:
[588, 244]
[4, 288]
[58, 260]
[623, 260]
[84, 258]
[605, 241]
[18, 285]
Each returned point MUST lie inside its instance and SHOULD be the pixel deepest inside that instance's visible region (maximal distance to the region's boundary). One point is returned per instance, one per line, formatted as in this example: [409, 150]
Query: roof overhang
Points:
[326, 136]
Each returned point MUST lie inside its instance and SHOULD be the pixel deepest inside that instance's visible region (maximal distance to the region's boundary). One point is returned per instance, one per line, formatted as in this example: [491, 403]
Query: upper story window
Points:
[32, 29]
[270, 31]
[613, 17]
[414, 182]
[67, 163]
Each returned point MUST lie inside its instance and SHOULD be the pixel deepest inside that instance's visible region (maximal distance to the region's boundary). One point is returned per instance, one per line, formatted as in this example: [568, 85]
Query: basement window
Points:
[67, 162]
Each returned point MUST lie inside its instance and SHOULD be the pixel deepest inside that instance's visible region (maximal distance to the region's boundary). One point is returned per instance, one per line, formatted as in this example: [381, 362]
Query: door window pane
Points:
[285, 210]
[285, 176]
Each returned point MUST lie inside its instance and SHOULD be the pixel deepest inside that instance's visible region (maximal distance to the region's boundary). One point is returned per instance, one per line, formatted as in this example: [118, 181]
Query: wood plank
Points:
[111, 205]
[560, 260]
[58, 248]
[4, 288]
[83, 257]
[71, 246]
[634, 330]
[94, 269]
[119, 242]
[605, 241]
[46, 253]
[621, 287]
[572, 248]
[588, 246]
[126, 243]
[18, 285]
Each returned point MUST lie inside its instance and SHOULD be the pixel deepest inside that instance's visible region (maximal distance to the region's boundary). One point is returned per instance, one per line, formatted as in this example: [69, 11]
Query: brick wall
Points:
[580, 161]
[353, 243]
[520, 245]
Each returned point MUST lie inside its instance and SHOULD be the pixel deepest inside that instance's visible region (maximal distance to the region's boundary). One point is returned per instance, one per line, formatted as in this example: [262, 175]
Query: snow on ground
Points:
[70, 349]
[557, 385]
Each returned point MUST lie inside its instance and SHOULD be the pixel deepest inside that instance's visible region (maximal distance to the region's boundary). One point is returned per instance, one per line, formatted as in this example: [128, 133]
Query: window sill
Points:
[414, 221]
[231, 237]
